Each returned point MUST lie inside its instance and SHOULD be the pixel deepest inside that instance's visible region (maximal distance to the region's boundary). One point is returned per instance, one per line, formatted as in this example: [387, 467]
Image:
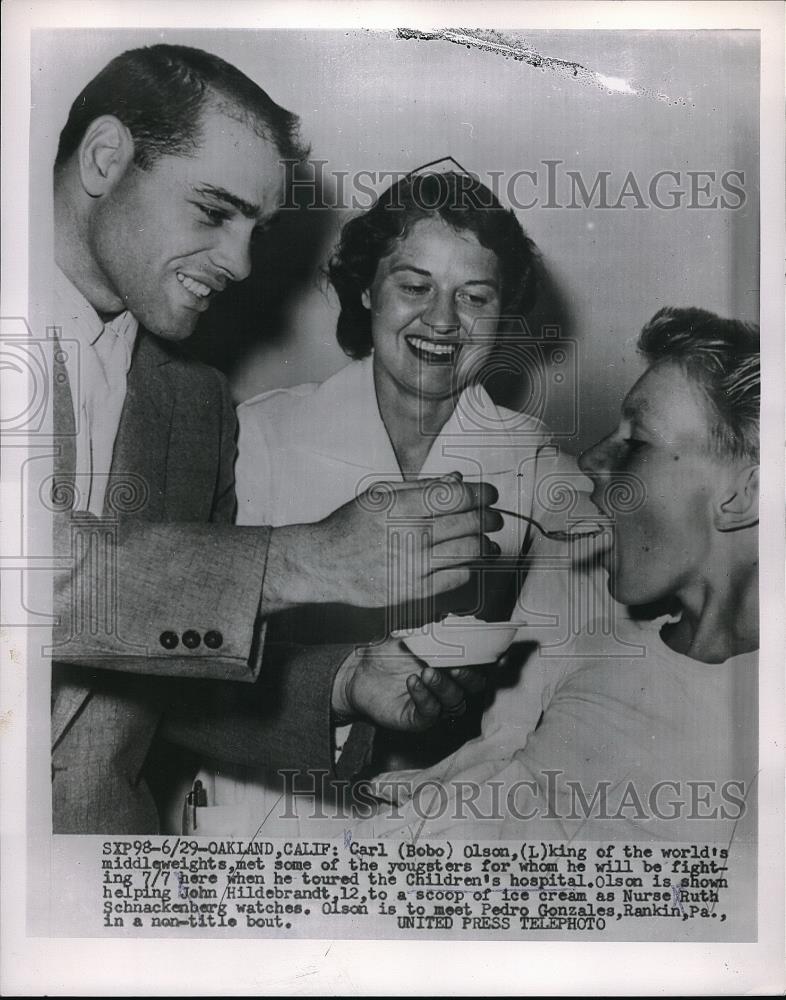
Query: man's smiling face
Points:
[167, 239]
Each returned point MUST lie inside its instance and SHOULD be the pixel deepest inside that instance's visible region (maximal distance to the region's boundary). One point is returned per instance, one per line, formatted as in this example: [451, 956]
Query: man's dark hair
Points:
[721, 356]
[461, 201]
[160, 93]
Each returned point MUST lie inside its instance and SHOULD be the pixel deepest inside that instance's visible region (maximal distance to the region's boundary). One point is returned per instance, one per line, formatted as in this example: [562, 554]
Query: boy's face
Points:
[662, 542]
[166, 240]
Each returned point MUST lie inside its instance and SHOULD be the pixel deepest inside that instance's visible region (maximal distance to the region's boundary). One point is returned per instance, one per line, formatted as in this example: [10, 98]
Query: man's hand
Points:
[387, 685]
[393, 544]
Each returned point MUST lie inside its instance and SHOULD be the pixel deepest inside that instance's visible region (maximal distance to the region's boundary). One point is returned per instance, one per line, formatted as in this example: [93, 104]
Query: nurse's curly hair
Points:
[721, 357]
[463, 203]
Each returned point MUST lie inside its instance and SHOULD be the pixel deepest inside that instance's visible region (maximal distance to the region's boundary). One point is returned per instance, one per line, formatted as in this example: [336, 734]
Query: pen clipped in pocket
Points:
[195, 799]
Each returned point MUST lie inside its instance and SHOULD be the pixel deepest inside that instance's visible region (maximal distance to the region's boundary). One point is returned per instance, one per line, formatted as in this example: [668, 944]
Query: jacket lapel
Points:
[63, 426]
[142, 444]
[140, 451]
[67, 695]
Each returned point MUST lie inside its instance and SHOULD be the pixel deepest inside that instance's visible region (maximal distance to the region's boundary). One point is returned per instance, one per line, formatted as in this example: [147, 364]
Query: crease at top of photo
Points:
[511, 47]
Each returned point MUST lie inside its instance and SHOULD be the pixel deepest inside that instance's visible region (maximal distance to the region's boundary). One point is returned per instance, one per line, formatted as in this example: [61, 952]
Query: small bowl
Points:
[459, 641]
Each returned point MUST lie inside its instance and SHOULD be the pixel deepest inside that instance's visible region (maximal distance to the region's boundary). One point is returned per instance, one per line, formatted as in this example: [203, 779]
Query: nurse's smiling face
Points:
[437, 290]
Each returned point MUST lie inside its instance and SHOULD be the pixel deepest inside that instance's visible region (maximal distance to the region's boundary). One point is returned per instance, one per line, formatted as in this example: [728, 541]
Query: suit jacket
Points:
[161, 592]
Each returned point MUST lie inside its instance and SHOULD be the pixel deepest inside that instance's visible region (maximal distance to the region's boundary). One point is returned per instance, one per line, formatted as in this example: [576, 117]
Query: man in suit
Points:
[168, 165]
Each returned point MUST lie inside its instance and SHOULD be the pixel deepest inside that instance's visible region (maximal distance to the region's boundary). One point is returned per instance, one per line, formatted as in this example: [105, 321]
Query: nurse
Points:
[430, 281]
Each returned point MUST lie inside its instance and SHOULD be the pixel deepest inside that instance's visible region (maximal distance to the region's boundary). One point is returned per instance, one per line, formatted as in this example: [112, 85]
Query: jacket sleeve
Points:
[172, 599]
[176, 598]
[283, 721]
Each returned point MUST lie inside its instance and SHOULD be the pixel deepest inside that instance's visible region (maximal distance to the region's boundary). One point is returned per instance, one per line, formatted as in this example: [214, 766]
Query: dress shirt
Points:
[97, 371]
[626, 724]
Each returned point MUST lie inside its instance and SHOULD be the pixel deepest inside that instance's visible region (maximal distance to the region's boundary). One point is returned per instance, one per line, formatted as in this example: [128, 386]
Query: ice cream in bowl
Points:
[459, 641]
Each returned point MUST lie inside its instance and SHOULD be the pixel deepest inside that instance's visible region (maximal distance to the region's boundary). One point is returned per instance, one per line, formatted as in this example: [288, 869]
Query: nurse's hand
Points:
[395, 543]
[387, 685]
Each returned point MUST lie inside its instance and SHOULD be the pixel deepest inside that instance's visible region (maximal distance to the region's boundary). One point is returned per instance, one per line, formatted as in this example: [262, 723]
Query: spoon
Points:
[555, 536]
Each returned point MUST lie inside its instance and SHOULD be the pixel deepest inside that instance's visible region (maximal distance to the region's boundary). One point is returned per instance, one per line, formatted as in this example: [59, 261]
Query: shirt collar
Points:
[84, 323]
[341, 422]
